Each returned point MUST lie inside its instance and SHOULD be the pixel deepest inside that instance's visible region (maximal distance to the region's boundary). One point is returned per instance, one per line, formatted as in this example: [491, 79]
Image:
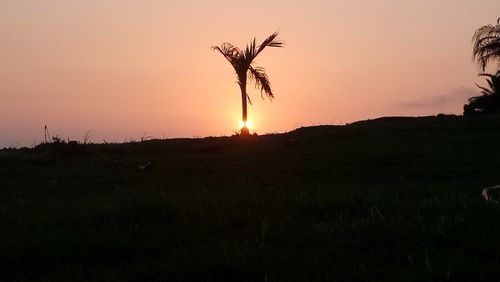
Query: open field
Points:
[393, 199]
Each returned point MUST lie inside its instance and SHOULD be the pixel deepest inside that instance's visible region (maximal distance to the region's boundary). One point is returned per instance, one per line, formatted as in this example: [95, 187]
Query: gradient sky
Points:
[124, 69]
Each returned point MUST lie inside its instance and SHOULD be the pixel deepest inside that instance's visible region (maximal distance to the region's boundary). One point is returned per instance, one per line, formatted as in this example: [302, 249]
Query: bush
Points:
[489, 102]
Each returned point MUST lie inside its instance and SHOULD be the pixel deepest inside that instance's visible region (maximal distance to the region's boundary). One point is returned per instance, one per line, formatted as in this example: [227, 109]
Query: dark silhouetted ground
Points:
[393, 199]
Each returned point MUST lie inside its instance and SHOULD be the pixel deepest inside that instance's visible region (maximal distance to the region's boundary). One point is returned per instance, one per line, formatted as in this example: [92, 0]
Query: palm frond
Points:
[250, 52]
[270, 42]
[230, 52]
[486, 45]
[261, 80]
[249, 100]
[493, 81]
[489, 74]
[485, 91]
[487, 53]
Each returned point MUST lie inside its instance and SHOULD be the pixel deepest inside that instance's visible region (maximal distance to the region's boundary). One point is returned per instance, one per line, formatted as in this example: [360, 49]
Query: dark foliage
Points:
[489, 102]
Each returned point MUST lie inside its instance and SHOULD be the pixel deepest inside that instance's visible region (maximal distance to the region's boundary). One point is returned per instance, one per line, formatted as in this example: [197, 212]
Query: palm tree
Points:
[489, 102]
[487, 45]
[242, 60]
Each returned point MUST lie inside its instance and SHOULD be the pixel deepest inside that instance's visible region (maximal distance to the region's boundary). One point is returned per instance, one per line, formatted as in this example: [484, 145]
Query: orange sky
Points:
[123, 68]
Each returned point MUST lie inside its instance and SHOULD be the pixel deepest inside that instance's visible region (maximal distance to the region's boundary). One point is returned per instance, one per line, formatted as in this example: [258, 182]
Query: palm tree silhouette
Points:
[242, 60]
[486, 42]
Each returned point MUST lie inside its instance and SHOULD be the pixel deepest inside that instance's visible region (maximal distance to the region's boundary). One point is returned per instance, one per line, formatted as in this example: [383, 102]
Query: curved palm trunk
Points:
[243, 88]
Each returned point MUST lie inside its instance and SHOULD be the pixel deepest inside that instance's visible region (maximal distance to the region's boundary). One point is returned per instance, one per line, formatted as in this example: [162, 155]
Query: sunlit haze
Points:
[125, 69]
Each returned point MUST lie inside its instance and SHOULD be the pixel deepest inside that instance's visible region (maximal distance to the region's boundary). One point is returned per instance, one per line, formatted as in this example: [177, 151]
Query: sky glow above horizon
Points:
[125, 69]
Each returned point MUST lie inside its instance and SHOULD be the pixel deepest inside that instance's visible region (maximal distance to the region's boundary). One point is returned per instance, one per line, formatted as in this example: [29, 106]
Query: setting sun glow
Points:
[248, 124]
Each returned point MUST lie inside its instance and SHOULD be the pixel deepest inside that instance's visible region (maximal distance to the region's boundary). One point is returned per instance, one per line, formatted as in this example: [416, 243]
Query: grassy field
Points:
[393, 199]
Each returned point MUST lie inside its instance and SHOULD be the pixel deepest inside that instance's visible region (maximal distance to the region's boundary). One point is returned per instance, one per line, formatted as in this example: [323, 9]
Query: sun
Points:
[248, 124]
